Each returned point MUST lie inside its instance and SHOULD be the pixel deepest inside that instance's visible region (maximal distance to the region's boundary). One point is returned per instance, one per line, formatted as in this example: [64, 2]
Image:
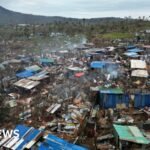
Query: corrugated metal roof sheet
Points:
[28, 138]
[25, 74]
[39, 76]
[141, 100]
[17, 144]
[139, 73]
[131, 54]
[80, 74]
[138, 64]
[135, 50]
[4, 140]
[10, 142]
[131, 47]
[26, 135]
[27, 84]
[111, 90]
[130, 133]
[46, 60]
[55, 143]
[22, 129]
[75, 68]
[33, 68]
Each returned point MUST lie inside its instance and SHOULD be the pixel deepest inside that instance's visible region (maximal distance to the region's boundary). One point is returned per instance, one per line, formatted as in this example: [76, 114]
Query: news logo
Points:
[9, 133]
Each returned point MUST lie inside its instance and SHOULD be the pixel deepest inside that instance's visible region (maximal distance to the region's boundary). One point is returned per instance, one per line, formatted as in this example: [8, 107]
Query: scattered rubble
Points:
[87, 94]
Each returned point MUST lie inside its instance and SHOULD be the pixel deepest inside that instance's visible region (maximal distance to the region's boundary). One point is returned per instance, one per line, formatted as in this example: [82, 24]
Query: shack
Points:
[130, 137]
[113, 97]
[142, 100]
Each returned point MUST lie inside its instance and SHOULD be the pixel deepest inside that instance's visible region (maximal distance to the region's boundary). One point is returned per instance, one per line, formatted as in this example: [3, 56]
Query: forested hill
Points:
[11, 17]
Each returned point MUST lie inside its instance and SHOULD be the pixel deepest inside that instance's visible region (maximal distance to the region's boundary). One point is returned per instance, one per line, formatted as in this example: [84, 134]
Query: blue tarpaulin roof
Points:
[97, 64]
[25, 74]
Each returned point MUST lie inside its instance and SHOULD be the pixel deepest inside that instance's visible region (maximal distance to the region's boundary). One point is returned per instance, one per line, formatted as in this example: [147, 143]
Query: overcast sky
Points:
[80, 8]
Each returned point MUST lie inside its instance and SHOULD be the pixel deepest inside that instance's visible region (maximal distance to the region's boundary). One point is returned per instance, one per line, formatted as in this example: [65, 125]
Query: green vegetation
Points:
[117, 35]
[57, 33]
[29, 27]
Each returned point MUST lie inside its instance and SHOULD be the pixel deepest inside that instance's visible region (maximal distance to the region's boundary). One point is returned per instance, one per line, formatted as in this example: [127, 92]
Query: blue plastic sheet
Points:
[97, 64]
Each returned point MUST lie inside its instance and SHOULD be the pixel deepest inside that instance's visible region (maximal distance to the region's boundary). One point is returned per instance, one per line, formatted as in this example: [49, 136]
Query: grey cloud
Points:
[80, 8]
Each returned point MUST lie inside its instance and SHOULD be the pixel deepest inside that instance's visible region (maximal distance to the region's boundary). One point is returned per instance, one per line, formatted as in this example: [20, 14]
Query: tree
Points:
[26, 31]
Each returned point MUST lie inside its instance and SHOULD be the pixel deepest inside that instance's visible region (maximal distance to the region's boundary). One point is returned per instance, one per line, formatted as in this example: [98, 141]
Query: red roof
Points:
[80, 74]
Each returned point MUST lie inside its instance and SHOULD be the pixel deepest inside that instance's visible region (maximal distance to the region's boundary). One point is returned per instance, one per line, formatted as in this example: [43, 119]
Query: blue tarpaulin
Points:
[141, 100]
[25, 74]
[104, 65]
[97, 64]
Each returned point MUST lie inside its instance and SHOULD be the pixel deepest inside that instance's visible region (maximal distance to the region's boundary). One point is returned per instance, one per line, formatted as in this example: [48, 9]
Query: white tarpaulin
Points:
[139, 73]
[138, 64]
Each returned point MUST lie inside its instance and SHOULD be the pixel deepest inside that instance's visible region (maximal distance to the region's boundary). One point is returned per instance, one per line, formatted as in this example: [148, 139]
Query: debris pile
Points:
[87, 95]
